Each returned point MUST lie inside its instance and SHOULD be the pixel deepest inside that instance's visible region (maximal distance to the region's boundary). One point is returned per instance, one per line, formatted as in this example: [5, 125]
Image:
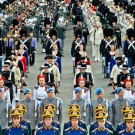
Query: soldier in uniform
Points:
[77, 42]
[40, 91]
[129, 93]
[15, 32]
[84, 106]
[49, 76]
[123, 76]
[45, 34]
[9, 45]
[53, 39]
[117, 105]
[83, 27]
[56, 124]
[16, 70]
[75, 128]
[9, 78]
[54, 69]
[5, 89]
[23, 122]
[100, 100]
[117, 31]
[82, 124]
[101, 118]
[108, 125]
[31, 115]
[85, 91]
[130, 125]
[16, 128]
[122, 126]
[5, 108]
[106, 44]
[24, 40]
[88, 76]
[57, 102]
[129, 48]
[33, 42]
[47, 128]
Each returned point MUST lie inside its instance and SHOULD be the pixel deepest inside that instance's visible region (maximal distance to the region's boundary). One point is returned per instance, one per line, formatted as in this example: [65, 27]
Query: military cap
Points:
[119, 58]
[105, 11]
[46, 65]
[78, 33]
[74, 107]
[49, 90]
[17, 113]
[53, 32]
[75, 114]
[129, 9]
[27, 91]
[83, 66]
[101, 115]
[128, 30]
[78, 89]
[50, 107]
[104, 110]
[23, 32]
[99, 90]
[48, 113]
[108, 32]
[127, 109]
[131, 33]
[129, 116]
[6, 63]
[119, 89]
[113, 19]
[21, 107]
[49, 57]
[101, 6]
[124, 67]
[100, 107]
[47, 21]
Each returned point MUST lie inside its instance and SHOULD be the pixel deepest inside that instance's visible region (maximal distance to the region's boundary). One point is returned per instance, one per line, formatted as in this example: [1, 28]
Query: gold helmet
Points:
[127, 109]
[101, 115]
[16, 112]
[75, 114]
[21, 107]
[100, 107]
[74, 107]
[48, 113]
[50, 107]
[129, 116]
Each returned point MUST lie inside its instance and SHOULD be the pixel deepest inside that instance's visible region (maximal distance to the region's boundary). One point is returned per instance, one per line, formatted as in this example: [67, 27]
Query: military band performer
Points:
[47, 128]
[16, 128]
